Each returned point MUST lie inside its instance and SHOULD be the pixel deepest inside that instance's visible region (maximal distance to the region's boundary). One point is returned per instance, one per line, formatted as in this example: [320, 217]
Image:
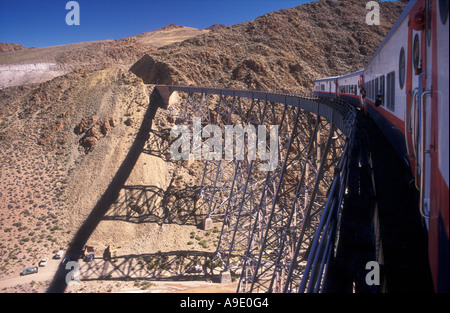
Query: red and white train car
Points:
[326, 87]
[405, 90]
[349, 87]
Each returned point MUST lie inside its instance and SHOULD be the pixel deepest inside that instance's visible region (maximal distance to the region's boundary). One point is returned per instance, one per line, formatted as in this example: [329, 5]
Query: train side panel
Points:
[349, 88]
[405, 91]
[325, 87]
[385, 76]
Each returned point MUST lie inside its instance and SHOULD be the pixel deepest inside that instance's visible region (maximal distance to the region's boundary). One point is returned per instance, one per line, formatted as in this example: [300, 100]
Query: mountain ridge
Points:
[284, 49]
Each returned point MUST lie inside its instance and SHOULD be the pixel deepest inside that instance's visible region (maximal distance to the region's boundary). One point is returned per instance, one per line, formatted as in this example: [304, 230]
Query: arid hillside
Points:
[81, 137]
[20, 66]
[285, 49]
[168, 35]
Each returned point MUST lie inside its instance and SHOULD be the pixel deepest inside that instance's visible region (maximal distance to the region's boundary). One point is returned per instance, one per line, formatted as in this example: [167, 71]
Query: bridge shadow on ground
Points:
[110, 196]
[159, 144]
[151, 204]
[173, 265]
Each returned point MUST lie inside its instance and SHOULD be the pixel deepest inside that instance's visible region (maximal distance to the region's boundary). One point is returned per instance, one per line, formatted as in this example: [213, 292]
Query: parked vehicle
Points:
[89, 257]
[43, 262]
[58, 255]
[30, 270]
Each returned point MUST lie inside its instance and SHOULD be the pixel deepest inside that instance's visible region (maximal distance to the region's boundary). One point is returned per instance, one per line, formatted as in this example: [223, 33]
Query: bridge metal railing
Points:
[315, 274]
[339, 112]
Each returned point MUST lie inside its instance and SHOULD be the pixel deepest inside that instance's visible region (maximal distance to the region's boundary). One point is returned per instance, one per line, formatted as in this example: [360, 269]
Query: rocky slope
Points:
[36, 65]
[285, 49]
[19, 66]
[6, 47]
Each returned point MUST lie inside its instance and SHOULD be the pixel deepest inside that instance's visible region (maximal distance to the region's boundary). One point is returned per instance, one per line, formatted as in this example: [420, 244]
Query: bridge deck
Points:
[378, 183]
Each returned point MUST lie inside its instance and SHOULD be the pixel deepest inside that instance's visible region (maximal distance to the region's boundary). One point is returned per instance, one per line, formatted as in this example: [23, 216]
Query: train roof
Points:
[326, 79]
[339, 77]
[357, 73]
[396, 25]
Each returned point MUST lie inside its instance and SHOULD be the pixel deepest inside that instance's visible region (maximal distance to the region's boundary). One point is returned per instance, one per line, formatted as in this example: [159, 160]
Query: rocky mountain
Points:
[6, 47]
[285, 49]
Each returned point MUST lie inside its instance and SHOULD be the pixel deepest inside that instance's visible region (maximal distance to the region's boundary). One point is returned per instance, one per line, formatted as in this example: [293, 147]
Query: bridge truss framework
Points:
[279, 226]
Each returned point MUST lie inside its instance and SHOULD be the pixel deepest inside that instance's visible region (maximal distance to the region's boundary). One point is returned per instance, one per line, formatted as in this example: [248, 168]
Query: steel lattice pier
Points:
[272, 219]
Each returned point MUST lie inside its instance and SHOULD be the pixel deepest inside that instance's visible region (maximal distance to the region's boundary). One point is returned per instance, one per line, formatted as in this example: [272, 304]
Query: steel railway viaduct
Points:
[314, 221]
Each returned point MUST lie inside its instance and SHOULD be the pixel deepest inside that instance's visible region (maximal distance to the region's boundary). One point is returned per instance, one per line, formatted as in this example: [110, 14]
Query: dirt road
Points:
[45, 273]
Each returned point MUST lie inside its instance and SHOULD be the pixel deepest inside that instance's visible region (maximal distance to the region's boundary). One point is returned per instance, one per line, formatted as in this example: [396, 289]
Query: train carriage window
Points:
[372, 89]
[416, 51]
[401, 68]
[443, 10]
[390, 91]
[376, 87]
[382, 88]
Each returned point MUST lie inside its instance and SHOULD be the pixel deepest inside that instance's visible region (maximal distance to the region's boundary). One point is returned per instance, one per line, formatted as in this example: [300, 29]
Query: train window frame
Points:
[373, 89]
[402, 68]
[416, 51]
[376, 87]
[390, 91]
[443, 10]
[383, 87]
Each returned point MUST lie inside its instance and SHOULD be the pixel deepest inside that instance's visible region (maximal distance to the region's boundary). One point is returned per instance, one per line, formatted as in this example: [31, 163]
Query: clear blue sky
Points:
[39, 23]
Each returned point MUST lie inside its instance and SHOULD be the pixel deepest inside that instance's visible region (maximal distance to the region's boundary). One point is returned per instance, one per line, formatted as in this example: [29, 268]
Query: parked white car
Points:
[43, 262]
